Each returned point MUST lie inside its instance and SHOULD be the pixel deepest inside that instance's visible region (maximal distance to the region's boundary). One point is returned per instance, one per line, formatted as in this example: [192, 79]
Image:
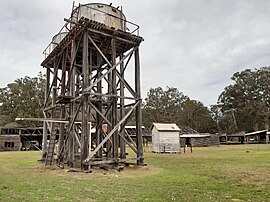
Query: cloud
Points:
[195, 46]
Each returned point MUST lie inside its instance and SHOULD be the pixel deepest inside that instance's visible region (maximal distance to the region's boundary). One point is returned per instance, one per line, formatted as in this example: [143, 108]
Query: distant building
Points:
[10, 143]
[165, 137]
[198, 139]
[261, 136]
[15, 139]
[256, 137]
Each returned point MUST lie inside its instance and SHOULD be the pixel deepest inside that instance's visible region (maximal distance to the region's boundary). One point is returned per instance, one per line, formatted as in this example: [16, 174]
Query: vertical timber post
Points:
[85, 107]
[45, 126]
[99, 124]
[138, 114]
[62, 113]
[72, 104]
[122, 110]
[114, 105]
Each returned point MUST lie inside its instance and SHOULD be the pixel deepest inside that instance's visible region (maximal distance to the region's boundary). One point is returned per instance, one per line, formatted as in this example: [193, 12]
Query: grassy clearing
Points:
[226, 173]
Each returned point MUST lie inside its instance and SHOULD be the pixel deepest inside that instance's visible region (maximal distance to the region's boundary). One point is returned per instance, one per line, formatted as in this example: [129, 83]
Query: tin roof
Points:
[166, 127]
[257, 132]
[133, 127]
[195, 135]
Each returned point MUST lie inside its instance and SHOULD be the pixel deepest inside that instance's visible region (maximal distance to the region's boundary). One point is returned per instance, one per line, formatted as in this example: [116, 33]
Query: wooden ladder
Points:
[51, 146]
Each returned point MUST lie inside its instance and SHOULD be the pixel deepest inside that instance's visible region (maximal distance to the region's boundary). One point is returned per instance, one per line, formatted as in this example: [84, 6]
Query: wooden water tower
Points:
[89, 98]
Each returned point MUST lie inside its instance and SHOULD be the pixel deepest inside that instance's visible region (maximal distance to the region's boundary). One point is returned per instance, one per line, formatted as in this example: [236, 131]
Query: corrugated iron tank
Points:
[102, 13]
[58, 38]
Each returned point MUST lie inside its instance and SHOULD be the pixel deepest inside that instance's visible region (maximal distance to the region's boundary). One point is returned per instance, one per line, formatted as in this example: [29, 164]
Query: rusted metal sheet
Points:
[166, 127]
[102, 13]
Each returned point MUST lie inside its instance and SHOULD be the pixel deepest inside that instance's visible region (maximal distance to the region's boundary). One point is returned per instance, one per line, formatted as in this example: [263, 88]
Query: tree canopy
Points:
[22, 98]
[170, 105]
[163, 105]
[247, 99]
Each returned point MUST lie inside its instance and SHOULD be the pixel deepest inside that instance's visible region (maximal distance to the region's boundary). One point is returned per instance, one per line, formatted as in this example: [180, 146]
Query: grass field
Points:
[226, 173]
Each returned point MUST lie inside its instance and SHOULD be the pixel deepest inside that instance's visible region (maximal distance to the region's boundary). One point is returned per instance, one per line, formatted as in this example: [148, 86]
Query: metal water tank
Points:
[58, 38]
[102, 13]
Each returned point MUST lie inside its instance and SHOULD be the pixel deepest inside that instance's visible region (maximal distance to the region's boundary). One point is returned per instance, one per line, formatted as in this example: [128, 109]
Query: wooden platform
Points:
[100, 33]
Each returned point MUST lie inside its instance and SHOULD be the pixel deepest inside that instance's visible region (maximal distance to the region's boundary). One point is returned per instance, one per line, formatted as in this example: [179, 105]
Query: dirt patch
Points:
[128, 171]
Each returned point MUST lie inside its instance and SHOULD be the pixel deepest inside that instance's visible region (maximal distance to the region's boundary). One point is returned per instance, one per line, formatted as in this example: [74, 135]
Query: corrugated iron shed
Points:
[166, 127]
[165, 137]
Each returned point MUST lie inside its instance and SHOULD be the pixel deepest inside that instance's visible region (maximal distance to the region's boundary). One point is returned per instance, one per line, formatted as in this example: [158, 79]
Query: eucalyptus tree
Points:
[248, 98]
[22, 98]
[171, 105]
[197, 116]
[163, 105]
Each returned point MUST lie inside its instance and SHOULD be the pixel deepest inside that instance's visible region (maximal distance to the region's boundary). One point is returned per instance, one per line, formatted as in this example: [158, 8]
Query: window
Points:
[9, 144]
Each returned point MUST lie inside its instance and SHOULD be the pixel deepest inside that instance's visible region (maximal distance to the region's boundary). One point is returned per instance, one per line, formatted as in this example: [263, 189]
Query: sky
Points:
[192, 45]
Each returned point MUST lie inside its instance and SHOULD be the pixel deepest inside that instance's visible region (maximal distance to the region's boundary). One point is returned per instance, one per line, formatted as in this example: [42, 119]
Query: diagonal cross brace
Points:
[112, 67]
[111, 133]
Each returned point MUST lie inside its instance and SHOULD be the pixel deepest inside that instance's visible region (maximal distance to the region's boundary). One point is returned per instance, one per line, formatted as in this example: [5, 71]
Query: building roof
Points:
[194, 135]
[166, 127]
[257, 133]
[239, 134]
[188, 130]
[133, 127]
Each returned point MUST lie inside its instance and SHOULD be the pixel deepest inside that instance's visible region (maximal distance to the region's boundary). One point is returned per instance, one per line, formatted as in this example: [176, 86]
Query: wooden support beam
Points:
[109, 70]
[45, 126]
[122, 109]
[114, 104]
[111, 133]
[100, 114]
[112, 36]
[138, 115]
[86, 69]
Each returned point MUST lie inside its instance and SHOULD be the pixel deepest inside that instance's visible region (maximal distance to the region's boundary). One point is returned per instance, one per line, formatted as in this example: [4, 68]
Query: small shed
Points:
[261, 136]
[236, 138]
[200, 140]
[165, 137]
[10, 143]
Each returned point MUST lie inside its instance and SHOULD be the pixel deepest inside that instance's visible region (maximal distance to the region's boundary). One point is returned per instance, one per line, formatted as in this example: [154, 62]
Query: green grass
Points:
[226, 173]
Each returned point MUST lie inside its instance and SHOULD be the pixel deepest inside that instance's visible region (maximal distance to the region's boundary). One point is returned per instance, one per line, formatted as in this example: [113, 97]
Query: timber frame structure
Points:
[86, 87]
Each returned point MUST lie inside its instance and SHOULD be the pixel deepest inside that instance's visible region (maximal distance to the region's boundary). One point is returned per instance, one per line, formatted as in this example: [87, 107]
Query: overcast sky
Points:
[193, 45]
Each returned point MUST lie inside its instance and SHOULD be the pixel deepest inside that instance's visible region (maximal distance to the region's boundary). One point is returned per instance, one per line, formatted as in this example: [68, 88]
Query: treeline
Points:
[242, 106]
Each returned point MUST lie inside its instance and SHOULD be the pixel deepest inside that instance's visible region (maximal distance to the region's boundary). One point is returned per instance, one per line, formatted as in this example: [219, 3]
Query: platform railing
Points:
[130, 27]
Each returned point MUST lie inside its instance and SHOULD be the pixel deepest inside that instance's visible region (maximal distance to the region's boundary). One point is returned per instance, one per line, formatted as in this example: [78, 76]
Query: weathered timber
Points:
[86, 83]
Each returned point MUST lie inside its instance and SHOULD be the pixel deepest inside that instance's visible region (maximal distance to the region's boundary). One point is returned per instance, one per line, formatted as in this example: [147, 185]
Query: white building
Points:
[165, 137]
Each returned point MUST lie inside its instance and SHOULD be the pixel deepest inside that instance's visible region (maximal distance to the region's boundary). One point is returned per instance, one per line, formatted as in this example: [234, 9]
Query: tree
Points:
[23, 98]
[248, 98]
[170, 105]
[195, 115]
[163, 105]
[225, 121]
